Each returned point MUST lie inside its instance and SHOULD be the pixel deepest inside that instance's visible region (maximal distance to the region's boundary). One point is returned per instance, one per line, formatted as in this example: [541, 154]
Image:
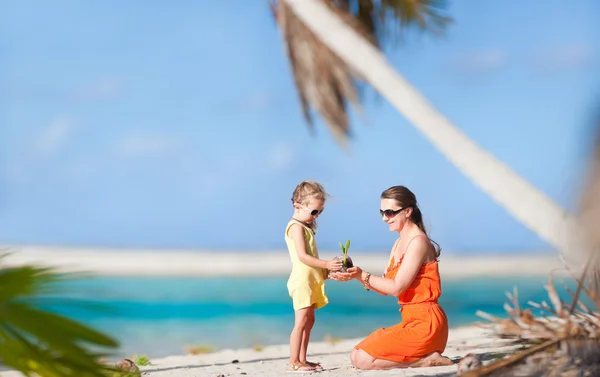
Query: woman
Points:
[412, 276]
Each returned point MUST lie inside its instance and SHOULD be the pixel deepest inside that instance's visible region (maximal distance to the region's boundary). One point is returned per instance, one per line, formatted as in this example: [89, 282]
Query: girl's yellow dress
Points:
[306, 285]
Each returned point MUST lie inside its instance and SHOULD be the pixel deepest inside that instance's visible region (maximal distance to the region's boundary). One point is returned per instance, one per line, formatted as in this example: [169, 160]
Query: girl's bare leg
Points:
[296, 337]
[310, 322]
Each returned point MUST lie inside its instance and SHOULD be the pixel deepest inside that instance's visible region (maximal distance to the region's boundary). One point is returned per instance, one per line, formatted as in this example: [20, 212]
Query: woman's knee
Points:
[361, 360]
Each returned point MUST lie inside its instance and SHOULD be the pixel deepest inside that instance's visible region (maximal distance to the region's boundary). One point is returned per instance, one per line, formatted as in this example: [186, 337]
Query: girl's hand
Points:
[334, 265]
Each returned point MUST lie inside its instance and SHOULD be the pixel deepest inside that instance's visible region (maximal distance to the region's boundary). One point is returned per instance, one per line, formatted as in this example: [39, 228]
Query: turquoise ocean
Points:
[160, 316]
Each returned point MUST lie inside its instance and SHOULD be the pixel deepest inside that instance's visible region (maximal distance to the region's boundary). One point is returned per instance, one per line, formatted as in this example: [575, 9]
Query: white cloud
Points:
[53, 137]
[42, 151]
[260, 100]
[564, 57]
[478, 62]
[257, 101]
[107, 88]
[144, 145]
[281, 156]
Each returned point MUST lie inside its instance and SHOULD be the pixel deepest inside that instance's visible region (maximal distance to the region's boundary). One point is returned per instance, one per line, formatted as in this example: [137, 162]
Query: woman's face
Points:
[393, 214]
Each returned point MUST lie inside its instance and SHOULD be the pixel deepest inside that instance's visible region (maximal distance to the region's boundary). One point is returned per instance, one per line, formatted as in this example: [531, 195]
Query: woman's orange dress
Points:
[424, 325]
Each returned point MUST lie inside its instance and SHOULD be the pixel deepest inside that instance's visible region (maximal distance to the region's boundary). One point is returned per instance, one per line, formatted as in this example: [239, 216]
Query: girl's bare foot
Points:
[434, 359]
[300, 367]
[317, 366]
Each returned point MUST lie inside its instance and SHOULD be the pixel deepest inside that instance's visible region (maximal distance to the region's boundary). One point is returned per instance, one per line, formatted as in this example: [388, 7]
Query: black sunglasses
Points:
[389, 213]
[313, 212]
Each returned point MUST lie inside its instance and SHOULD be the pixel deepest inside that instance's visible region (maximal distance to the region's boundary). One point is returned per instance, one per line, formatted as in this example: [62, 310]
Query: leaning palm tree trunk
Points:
[572, 330]
[523, 201]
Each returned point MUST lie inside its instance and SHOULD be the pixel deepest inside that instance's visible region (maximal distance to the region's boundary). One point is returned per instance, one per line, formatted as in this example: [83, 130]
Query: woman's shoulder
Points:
[420, 245]
[420, 239]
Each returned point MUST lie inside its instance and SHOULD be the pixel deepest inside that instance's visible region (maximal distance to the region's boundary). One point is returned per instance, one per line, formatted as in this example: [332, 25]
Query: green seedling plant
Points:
[346, 260]
[142, 361]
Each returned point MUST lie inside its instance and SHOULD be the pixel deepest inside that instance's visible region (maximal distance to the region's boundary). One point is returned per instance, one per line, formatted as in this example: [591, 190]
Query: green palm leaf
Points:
[385, 18]
[38, 342]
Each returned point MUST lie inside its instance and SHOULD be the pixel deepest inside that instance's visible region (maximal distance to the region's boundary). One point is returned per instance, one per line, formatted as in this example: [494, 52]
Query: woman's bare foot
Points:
[434, 359]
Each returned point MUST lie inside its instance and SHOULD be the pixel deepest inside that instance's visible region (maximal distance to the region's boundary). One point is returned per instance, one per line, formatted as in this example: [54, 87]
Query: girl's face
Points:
[394, 215]
[309, 211]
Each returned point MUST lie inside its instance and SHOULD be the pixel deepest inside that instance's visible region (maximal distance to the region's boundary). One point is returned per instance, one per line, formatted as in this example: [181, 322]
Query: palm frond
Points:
[324, 82]
[424, 15]
[38, 342]
[570, 334]
[391, 18]
[558, 357]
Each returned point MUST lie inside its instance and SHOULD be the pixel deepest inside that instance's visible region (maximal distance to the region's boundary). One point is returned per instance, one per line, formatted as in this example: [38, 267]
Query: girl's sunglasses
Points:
[313, 212]
[389, 213]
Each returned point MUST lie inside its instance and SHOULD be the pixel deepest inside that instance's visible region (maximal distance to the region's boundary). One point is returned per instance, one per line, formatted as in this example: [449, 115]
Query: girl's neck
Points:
[309, 226]
[300, 221]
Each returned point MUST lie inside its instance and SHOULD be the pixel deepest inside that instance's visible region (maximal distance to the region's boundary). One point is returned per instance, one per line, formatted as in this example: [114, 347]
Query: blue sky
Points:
[159, 124]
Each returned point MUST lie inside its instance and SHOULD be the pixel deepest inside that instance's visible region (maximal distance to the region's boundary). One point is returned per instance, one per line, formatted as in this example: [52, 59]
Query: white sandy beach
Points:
[206, 263]
[272, 360]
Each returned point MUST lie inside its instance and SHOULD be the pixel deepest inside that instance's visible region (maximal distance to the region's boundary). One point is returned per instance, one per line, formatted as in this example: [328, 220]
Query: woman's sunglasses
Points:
[313, 212]
[389, 213]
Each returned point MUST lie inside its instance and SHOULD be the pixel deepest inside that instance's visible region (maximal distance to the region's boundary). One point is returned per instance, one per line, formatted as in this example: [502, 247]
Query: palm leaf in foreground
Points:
[38, 342]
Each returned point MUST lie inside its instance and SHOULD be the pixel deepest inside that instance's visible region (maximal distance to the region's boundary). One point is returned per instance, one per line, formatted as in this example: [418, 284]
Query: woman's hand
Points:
[338, 276]
[354, 272]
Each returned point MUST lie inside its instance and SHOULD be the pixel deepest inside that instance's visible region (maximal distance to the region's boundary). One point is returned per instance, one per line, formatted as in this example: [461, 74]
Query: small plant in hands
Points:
[346, 260]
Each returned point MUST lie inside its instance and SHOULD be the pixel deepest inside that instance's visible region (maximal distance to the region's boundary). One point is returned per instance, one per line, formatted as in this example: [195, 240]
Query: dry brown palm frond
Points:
[324, 82]
[522, 324]
[558, 357]
[571, 339]
[571, 334]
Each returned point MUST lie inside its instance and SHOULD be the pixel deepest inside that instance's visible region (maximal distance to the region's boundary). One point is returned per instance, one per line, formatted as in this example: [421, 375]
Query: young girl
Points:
[306, 283]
